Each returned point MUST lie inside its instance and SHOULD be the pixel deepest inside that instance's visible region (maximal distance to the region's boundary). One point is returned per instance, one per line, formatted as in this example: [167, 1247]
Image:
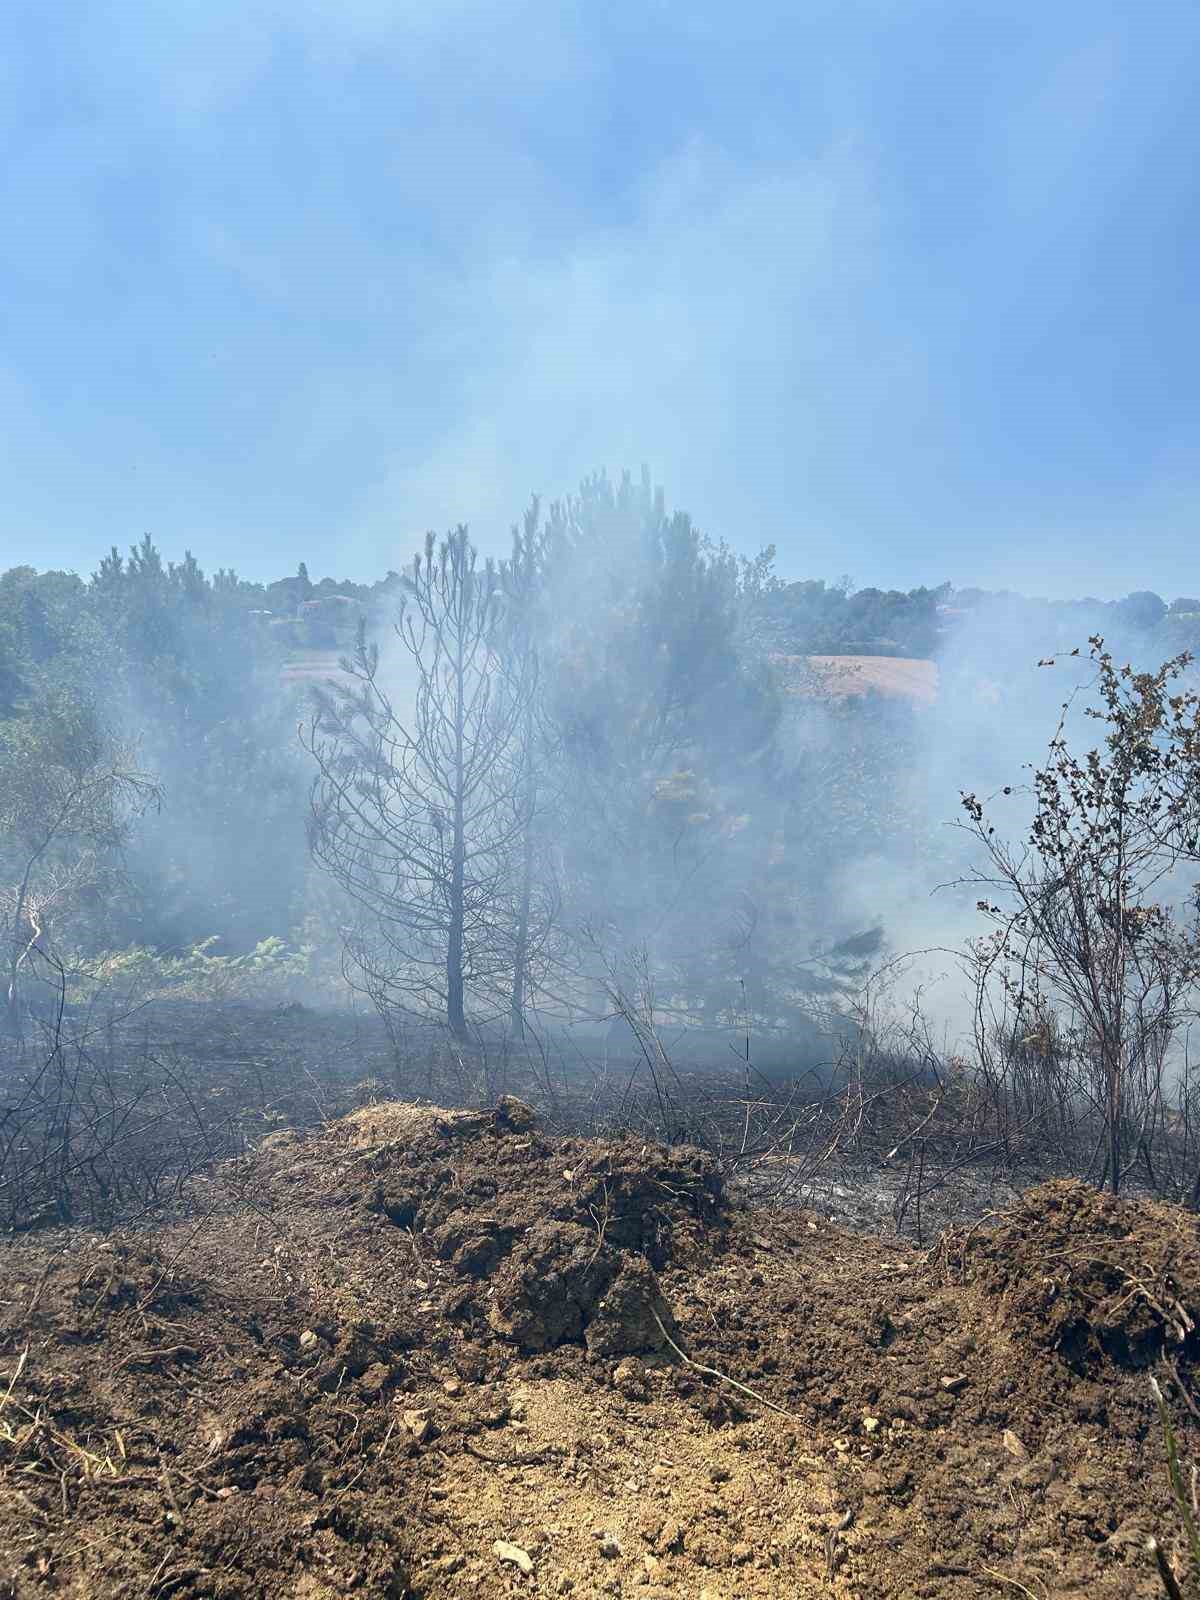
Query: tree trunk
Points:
[521, 954]
[12, 998]
[12, 1008]
[521, 951]
[1112, 1072]
[455, 998]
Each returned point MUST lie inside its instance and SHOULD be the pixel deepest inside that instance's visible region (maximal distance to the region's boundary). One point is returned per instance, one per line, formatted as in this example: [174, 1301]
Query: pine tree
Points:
[419, 808]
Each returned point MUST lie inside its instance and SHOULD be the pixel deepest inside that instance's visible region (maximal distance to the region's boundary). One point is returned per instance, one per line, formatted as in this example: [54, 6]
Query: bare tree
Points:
[69, 795]
[1094, 915]
[421, 803]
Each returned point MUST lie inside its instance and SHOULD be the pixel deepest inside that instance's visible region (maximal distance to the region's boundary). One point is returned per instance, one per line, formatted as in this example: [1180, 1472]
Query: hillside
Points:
[845, 677]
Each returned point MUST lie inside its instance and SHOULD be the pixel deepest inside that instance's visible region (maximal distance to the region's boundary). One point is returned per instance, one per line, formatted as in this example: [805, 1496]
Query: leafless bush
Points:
[107, 1115]
[1094, 957]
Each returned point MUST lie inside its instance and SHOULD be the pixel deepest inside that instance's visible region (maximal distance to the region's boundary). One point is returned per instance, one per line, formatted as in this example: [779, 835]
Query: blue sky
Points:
[909, 290]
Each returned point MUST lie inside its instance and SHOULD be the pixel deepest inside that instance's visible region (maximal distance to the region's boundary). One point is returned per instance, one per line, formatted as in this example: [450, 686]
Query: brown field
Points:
[840, 677]
[433, 1353]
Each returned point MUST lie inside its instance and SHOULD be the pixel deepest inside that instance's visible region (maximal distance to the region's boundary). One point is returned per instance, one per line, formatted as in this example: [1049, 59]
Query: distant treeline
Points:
[686, 805]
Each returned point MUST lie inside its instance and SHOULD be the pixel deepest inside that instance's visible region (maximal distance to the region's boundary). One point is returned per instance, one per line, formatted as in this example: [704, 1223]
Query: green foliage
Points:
[272, 970]
[812, 618]
[69, 794]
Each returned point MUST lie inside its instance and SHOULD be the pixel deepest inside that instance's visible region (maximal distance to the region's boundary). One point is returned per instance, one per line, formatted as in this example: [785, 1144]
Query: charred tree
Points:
[420, 806]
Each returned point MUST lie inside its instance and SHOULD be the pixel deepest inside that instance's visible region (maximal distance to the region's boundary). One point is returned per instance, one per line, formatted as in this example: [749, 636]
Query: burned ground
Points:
[439, 1353]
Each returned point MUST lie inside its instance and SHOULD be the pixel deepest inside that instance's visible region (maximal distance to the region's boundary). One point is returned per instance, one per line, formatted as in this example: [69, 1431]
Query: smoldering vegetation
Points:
[886, 900]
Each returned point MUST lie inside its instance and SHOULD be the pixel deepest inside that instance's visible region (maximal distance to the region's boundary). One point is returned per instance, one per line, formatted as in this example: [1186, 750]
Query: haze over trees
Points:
[599, 768]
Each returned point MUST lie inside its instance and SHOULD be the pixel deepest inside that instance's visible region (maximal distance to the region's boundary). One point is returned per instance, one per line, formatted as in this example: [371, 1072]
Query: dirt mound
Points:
[550, 1241]
[459, 1177]
[1091, 1276]
[437, 1354]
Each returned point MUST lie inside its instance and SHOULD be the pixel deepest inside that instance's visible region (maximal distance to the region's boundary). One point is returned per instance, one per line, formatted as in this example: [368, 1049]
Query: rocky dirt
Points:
[427, 1353]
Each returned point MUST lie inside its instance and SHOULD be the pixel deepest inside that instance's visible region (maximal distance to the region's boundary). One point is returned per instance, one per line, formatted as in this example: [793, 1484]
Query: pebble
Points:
[418, 1424]
[515, 1555]
[307, 1339]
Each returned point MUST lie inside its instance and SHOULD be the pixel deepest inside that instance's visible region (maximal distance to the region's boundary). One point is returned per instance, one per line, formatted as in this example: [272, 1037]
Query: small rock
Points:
[610, 1546]
[307, 1339]
[953, 1385]
[870, 1424]
[452, 1386]
[741, 1553]
[563, 1584]
[651, 1564]
[718, 1474]
[1014, 1446]
[418, 1425]
[513, 1553]
[630, 1378]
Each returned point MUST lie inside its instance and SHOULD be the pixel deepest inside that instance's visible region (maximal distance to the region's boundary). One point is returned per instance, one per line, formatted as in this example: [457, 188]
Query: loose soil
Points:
[429, 1353]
